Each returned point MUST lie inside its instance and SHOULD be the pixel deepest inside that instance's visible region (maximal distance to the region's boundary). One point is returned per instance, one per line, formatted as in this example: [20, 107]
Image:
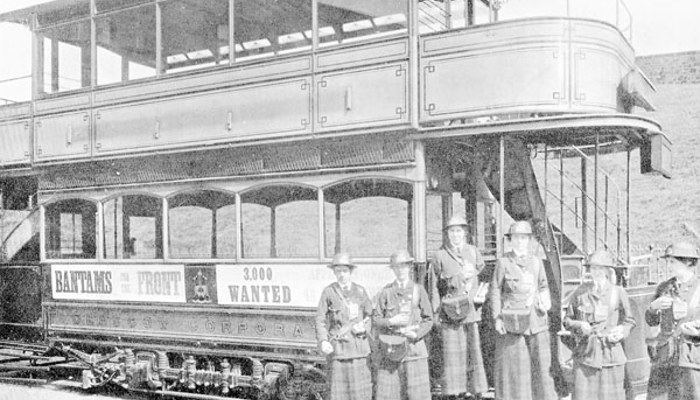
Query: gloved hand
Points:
[500, 328]
[585, 328]
[691, 328]
[662, 303]
[616, 334]
[326, 347]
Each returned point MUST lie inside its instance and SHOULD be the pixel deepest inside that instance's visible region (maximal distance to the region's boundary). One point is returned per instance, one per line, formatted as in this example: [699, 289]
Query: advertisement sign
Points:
[288, 285]
[150, 283]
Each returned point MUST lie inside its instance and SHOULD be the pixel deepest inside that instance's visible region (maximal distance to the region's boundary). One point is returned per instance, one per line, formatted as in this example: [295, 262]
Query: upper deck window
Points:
[280, 221]
[70, 229]
[195, 34]
[346, 21]
[16, 70]
[133, 226]
[264, 28]
[202, 224]
[368, 217]
[126, 44]
[64, 57]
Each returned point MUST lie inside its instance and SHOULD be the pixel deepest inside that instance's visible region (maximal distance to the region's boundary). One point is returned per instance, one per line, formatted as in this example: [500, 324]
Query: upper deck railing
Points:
[93, 43]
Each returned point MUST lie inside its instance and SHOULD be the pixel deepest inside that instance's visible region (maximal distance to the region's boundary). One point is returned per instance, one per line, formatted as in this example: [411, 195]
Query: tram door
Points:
[20, 271]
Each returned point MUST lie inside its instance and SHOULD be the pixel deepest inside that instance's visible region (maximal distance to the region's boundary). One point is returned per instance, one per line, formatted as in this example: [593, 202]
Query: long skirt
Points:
[350, 379]
[463, 364]
[674, 383]
[408, 380]
[523, 367]
[599, 384]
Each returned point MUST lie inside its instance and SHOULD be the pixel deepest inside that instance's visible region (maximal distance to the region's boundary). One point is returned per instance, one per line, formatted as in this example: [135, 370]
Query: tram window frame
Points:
[53, 216]
[307, 193]
[345, 195]
[195, 198]
[130, 70]
[120, 250]
[49, 68]
[350, 26]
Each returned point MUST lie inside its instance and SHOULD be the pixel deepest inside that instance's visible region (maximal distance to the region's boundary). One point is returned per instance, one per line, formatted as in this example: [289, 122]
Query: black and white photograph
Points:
[349, 200]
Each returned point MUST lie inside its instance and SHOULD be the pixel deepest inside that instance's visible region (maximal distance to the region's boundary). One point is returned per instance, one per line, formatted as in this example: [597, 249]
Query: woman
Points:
[520, 301]
[403, 314]
[342, 323]
[455, 271]
[600, 317]
[676, 309]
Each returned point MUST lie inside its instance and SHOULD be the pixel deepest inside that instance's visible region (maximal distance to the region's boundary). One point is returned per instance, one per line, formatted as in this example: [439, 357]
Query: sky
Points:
[657, 27]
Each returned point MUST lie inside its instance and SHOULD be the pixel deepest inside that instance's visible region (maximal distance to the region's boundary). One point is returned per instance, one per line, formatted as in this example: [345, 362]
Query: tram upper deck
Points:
[113, 79]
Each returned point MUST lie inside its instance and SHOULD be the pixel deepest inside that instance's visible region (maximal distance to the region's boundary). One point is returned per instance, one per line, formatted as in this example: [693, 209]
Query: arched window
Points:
[368, 217]
[133, 226]
[70, 229]
[202, 224]
[280, 221]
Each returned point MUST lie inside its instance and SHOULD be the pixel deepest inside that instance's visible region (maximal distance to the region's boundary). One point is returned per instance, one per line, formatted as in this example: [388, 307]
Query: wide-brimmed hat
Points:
[400, 257]
[342, 260]
[602, 258]
[456, 220]
[520, 228]
[681, 250]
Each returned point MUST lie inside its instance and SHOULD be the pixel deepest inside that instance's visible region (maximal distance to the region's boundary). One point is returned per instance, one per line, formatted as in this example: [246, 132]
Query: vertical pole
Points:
[37, 59]
[605, 213]
[99, 230]
[448, 14]
[314, 25]
[418, 225]
[213, 234]
[116, 230]
[627, 211]
[239, 229]
[337, 228]
[501, 194]
[125, 69]
[273, 232]
[231, 32]
[584, 205]
[469, 13]
[546, 188]
[42, 233]
[159, 41]
[321, 225]
[161, 221]
[413, 67]
[55, 87]
[596, 203]
[93, 45]
[561, 199]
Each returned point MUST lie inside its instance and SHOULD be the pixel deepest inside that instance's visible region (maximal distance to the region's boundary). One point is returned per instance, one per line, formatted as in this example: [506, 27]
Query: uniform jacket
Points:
[673, 347]
[603, 309]
[517, 284]
[389, 303]
[456, 273]
[333, 314]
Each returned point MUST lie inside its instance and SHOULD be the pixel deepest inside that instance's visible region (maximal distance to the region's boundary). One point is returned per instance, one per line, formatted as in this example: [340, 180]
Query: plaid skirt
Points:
[523, 367]
[463, 363]
[350, 379]
[600, 384]
[674, 383]
[408, 380]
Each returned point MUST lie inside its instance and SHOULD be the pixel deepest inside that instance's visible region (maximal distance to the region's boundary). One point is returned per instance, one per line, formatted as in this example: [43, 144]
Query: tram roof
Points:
[22, 15]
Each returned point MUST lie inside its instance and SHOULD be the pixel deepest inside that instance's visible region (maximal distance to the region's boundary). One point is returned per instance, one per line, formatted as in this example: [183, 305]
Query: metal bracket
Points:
[156, 132]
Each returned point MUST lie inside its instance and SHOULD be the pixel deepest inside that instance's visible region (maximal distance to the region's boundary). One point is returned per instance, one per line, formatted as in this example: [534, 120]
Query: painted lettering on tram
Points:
[243, 294]
[83, 282]
[159, 283]
[227, 327]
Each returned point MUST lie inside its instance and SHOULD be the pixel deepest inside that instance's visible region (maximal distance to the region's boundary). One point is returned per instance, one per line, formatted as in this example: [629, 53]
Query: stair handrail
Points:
[3, 245]
[583, 222]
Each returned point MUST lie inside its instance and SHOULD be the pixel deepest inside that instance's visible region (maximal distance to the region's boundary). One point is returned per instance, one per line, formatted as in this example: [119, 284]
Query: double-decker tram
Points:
[182, 171]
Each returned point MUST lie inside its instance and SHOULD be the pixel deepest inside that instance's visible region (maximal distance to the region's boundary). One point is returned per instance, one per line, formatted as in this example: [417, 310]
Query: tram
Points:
[184, 170]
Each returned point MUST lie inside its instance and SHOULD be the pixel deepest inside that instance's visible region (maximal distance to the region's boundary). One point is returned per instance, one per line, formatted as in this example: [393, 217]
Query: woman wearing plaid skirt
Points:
[342, 323]
[454, 272]
[675, 370]
[403, 309]
[600, 317]
[520, 301]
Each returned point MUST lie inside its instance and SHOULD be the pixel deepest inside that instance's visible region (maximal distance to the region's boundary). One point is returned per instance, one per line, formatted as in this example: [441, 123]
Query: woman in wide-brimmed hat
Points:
[403, 316]
[600, 317]
[520, 300]
[342, 322]
[676, 309]
[455, 283]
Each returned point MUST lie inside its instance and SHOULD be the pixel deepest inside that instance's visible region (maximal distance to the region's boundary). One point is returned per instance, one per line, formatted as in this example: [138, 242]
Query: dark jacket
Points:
[333, 314]
[455, 273]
